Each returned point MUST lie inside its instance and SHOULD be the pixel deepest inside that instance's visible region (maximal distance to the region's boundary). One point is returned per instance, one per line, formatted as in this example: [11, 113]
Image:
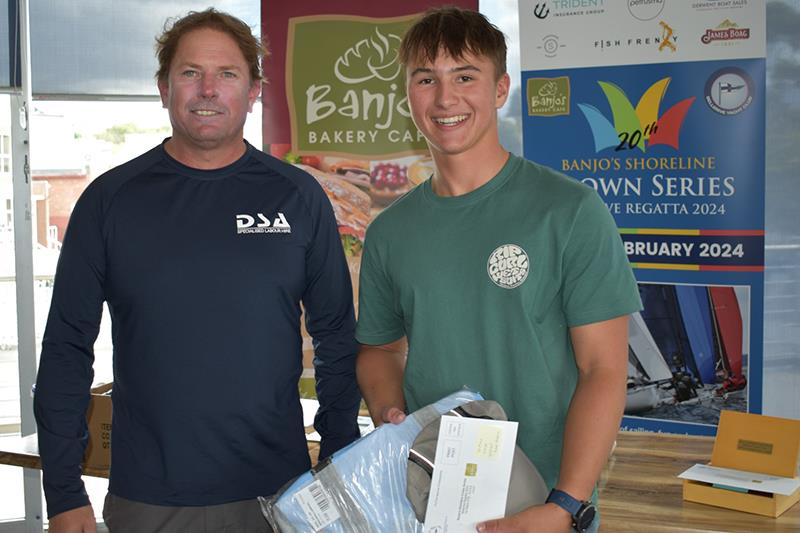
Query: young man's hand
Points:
[546, 518]
[78, 520]
[393, 415]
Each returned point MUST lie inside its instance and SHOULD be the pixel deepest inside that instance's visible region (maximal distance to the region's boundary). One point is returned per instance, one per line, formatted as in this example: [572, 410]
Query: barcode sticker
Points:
[319, 508]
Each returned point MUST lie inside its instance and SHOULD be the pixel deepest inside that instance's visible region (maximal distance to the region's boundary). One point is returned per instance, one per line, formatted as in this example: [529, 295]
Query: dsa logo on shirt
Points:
[261, 224]
[508, 266]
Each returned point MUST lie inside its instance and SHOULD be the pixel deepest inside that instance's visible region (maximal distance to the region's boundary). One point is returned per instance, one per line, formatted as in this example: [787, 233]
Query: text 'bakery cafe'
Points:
[364, 136]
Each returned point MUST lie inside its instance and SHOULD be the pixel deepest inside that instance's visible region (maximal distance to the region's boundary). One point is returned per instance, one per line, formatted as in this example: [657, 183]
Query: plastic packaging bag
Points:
[360, 488]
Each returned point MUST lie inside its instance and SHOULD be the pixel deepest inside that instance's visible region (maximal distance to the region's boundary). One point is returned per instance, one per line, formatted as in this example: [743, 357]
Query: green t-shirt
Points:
[486, 286]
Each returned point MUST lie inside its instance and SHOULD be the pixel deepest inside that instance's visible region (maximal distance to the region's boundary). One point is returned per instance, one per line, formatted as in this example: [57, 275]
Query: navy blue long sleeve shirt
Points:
[204, 273]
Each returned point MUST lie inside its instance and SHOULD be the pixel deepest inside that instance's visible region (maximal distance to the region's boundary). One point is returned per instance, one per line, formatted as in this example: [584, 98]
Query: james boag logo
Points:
[508, 266]
[726, 31]
[635, 127]
[261, 224]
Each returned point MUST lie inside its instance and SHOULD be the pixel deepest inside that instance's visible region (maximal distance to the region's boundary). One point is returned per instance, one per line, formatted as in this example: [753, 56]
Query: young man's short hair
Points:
[457, 32]
[167, 43]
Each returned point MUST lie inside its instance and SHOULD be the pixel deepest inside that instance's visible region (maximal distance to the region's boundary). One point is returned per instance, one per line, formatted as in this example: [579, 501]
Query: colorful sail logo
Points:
[636, 127]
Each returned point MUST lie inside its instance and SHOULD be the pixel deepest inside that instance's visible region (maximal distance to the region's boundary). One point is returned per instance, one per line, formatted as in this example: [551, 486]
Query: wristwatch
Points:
[582, 512]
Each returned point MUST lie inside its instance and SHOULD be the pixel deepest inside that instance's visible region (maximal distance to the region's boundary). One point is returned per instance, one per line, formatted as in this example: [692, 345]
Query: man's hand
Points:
[379, 369]
[78, 520]
[393, 415]
[546, 518]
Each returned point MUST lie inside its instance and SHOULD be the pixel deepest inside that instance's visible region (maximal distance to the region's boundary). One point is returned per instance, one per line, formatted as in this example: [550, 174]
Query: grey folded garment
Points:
[526, 488]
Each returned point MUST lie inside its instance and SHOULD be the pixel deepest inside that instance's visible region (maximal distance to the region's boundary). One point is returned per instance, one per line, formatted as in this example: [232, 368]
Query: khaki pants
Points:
[126, 516]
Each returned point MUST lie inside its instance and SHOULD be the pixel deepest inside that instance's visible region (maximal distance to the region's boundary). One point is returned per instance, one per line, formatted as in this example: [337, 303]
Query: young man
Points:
[497, 274]
[203, 249]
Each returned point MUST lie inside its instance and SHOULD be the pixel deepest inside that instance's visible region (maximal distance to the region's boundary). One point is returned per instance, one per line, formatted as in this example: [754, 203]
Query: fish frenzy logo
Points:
[637, 127]
[261, 224]
[508, 266]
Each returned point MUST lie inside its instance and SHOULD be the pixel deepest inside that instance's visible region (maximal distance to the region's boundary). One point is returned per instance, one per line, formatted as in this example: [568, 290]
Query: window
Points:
[5, 154]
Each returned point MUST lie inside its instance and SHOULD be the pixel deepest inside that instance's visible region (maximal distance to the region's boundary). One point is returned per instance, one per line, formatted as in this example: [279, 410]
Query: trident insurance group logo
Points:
[636, 127]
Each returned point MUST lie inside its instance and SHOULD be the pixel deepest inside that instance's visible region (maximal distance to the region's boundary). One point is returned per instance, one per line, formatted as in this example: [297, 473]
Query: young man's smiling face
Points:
[454, 103]
[208, 92]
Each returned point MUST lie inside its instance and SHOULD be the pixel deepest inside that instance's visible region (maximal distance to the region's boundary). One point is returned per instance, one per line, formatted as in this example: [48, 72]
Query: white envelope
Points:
[741, 479]
[471, 473]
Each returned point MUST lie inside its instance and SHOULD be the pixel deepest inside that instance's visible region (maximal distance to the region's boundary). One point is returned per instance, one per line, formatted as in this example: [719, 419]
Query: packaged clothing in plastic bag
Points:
[362, 487]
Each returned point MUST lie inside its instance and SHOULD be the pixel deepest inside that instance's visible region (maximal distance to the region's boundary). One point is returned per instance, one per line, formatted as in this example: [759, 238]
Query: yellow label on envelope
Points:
[489, 441]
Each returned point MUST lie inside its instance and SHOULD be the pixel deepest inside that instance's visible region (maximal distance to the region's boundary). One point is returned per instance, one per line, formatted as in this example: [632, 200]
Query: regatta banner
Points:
[334, 103]
[659, 106]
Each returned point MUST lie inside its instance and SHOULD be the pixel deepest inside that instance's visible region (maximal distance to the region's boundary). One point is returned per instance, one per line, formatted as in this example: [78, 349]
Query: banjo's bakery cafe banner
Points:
[334, 103]
[659, 106]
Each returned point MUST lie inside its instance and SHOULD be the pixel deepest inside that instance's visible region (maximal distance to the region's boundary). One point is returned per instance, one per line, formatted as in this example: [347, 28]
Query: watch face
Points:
[585, 517]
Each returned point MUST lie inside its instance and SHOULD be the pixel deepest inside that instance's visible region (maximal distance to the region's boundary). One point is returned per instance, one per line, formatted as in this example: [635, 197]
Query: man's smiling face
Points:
[454, 102]
[208, 92]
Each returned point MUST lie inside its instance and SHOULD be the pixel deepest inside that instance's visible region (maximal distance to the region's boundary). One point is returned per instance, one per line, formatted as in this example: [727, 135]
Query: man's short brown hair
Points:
[167, 43]
[456, 32]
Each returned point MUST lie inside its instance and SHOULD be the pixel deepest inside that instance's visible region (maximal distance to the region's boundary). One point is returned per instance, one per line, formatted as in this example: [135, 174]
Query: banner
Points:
[334, 103]
[659, 105]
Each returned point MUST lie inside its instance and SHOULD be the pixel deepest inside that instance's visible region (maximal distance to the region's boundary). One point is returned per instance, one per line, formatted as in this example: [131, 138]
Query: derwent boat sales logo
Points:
[348, 97]
[548, 97]
[709, 5]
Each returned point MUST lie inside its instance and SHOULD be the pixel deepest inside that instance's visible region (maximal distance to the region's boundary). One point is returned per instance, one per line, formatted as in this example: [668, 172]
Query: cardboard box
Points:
[759, 453]
[98, 418]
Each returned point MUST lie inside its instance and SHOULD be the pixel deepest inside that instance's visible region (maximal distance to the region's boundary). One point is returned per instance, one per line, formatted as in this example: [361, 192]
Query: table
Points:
[639, 490]
[24, 452]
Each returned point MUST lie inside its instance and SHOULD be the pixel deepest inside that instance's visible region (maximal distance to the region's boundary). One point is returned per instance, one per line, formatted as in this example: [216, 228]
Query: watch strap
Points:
[575, 507]
[565, 501]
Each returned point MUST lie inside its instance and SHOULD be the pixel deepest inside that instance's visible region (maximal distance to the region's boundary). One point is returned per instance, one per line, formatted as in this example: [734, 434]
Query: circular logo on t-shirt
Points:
[508, 266]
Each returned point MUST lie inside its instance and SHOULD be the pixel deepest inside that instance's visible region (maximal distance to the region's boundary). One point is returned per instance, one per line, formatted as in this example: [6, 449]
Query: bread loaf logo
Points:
[347, 98]
[508, 266]
[548, 97]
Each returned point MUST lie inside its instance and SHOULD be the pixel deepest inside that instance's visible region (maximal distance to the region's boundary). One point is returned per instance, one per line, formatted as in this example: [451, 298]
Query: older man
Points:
[203, 248]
